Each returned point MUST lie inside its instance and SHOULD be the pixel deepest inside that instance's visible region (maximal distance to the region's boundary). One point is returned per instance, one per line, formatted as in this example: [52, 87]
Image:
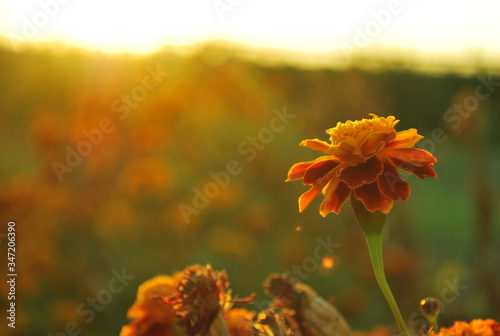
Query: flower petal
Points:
[384, 122]
[348, 151]
[420, 171]
[367, 172]
[319, 169]
[372, 198]
[336, 194]
[316, 144]
[405, 139]
[414, 156]
[375, 141]
[362, 135]
[391, 185]
[306, 198]
[299, 169]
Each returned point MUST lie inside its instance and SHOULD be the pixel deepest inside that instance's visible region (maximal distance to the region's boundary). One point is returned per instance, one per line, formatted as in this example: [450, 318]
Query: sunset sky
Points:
[308, 26]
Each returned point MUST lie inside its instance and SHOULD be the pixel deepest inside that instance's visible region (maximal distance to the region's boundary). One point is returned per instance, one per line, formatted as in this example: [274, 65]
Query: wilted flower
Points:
[199, 298]
[151, 316]
[192, 302]
[476, 327]
[311, 313]
[362, 158]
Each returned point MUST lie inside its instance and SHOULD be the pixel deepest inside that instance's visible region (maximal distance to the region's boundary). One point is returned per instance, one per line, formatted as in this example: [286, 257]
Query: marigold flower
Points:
[477, 327]
[151, 316]
[191, 302]
[201, 294]
[362, 159]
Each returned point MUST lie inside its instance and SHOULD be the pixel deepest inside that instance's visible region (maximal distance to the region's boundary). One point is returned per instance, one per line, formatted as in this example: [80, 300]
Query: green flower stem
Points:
[374, 241]
[372, 224]
[433, 322]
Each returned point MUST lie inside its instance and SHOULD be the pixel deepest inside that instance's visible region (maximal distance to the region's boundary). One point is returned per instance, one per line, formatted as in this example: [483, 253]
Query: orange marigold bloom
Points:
[476, 327]
[362, 158]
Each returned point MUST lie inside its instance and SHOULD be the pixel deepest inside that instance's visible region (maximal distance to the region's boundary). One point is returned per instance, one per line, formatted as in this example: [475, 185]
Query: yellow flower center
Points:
[352, 129]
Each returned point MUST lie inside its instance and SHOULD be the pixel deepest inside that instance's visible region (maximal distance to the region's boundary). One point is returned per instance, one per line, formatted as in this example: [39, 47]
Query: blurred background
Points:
[139, 139]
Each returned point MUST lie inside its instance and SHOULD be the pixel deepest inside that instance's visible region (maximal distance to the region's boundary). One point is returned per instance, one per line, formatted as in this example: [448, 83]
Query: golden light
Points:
[298, 228]
[320, 27]
[112, 25]
[327, 262]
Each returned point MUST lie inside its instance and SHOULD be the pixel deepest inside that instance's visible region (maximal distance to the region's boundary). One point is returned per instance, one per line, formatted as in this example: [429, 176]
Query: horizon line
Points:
[381, 57]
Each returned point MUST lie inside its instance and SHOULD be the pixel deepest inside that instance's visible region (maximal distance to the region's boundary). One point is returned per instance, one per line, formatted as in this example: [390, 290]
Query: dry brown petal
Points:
[313, 314]
[200, 296]
[270, 323]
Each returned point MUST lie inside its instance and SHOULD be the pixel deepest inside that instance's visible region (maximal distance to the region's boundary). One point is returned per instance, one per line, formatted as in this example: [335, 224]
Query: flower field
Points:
[117, 169]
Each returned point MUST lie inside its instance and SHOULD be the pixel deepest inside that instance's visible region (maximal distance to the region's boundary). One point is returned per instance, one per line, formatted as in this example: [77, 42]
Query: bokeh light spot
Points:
[327, 262]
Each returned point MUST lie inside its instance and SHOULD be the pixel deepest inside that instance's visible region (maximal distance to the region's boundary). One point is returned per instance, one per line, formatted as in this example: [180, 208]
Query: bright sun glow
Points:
[315, 26]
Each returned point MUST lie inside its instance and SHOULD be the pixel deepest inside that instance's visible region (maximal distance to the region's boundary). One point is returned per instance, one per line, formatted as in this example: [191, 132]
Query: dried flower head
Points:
[311, 313]
[199, 297]
[362, 158]
[190, 299]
